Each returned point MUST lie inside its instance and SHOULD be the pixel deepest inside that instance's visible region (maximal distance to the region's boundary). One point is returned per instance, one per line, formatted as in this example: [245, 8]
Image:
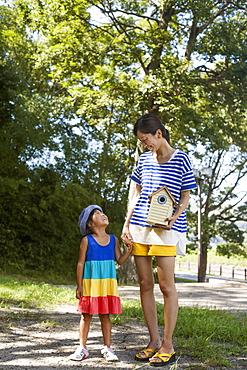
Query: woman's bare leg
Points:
[146, 281]
[165, 268]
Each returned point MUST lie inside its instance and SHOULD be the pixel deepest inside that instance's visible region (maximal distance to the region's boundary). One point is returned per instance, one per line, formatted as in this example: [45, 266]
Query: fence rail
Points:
[227, 271]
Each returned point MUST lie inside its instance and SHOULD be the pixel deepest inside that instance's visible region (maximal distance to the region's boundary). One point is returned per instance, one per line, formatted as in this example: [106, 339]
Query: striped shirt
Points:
[176, 174]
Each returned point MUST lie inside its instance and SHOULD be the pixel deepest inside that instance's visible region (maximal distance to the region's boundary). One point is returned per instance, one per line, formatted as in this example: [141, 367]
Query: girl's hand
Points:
[129, 247]
[78, 293]
[122, 258]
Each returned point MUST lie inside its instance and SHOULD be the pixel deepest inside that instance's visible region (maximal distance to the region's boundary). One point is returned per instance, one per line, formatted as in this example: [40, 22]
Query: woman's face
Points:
[149, 141]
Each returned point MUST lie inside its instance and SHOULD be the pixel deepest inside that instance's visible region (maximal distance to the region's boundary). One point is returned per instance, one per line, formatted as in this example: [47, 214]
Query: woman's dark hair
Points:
[149, 124]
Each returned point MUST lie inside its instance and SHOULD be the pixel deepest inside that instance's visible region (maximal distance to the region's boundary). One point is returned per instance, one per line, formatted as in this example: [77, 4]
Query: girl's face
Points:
[149, 141]
[99, 219]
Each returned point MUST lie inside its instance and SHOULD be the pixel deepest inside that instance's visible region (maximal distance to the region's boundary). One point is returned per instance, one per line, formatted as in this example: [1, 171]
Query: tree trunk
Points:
[127, 273]
[202, 263]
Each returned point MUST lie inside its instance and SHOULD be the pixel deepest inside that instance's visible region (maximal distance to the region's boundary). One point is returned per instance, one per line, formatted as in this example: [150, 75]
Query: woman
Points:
[161, 165]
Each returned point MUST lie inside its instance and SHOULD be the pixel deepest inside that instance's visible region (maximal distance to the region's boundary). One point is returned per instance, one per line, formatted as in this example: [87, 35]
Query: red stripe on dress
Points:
[95, 305]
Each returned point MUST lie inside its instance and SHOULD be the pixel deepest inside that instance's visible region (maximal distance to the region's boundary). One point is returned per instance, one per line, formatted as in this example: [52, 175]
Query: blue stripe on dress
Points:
[99, 270]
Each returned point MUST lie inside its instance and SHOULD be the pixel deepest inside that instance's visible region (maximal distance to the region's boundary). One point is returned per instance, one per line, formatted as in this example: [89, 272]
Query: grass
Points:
[29, 294]
[214, 259]
[181, 280]
[49, 276]
[214, 337]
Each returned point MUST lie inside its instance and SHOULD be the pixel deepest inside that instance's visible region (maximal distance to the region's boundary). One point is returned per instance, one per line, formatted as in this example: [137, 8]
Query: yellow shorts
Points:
[153, 250]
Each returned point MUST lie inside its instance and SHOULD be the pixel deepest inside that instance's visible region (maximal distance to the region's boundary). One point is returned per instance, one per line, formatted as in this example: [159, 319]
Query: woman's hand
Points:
[170, 220]
[126, 233]
[184, 199]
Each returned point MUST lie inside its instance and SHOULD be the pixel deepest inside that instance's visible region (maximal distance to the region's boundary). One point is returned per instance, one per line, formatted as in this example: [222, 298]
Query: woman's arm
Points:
[80, 266]
[183, 202]
[125, 232]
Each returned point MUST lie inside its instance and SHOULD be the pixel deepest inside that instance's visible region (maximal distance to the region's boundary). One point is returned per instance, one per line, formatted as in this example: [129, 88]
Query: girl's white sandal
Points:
[108, 354]
[79, 354]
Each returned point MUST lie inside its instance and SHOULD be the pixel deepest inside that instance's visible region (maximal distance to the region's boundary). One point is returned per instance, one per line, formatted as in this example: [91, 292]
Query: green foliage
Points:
[230, 249]
[231, 233]
[41, 232]
[73, 84]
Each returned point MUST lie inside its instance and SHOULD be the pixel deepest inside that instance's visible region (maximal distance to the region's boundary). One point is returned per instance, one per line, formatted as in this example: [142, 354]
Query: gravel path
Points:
[43, 340]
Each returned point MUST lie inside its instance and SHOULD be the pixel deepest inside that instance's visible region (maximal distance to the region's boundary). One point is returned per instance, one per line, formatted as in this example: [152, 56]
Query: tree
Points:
[222, 206]
[37, 210]
[183, 60]
[149, 56]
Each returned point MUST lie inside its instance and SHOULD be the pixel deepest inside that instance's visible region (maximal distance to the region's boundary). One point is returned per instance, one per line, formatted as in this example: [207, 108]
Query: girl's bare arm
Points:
[121, 258]
[80, 266]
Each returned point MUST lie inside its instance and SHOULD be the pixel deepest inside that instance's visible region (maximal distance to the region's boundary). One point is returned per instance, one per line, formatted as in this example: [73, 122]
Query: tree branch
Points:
[196, 30]
[228, 193]
[163, 24]
[111, 11]
[230, 207]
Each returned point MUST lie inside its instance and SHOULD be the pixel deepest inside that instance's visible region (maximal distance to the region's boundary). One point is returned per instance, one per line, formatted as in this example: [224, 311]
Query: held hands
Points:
[127, 242]
[126, 238]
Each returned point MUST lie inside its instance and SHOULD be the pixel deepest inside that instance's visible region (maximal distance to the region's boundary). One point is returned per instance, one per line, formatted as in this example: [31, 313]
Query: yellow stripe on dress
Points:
[100, 287]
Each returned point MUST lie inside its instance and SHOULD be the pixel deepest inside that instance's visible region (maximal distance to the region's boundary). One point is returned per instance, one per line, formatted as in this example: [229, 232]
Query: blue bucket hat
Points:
[84, 217]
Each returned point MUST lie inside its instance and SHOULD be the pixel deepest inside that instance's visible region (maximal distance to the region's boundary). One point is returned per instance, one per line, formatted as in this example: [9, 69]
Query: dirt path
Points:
[42, 340]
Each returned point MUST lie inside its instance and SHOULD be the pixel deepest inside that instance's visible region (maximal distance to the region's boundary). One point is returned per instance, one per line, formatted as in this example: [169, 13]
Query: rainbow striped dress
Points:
[99, 280]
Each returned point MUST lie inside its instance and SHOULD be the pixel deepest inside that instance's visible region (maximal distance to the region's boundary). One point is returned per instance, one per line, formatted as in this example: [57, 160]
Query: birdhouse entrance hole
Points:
[162, 199]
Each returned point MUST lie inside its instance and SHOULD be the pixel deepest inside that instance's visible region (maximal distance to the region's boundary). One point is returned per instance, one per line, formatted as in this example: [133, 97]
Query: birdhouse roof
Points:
[167, 191]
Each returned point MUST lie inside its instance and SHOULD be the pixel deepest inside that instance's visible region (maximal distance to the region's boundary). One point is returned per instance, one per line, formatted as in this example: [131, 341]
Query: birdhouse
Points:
[161, 207]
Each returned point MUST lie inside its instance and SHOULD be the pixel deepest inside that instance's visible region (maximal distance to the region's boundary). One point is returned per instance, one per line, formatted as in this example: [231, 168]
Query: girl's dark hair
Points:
[90, 219]
[149, 124]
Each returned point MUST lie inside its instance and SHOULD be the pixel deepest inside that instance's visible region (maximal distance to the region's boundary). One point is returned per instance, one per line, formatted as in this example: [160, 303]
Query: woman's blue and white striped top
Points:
[176, 174]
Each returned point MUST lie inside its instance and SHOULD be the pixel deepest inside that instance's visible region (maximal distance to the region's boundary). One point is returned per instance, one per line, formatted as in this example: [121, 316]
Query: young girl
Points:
[97, 289]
